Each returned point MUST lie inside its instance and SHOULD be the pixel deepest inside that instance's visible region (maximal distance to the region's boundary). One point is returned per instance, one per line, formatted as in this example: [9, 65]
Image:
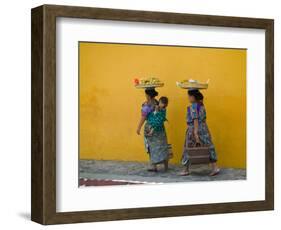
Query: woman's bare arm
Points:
[141, 122]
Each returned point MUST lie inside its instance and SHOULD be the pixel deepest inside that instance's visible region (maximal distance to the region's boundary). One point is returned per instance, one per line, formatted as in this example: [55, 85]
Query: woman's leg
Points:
[185, 158]
[185, 171]
[166, 165]
[213, 159]
[215, 169]
[207, 140]
[152, 168]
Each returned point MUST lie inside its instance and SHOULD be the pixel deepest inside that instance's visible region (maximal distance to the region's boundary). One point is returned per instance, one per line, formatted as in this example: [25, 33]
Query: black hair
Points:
[164, 100]
[151, 92]
[196, 93]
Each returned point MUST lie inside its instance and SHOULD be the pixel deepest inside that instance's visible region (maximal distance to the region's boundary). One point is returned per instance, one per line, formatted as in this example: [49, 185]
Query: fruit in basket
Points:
[148, 82]
[188, 81]
[136, 81]
[192, 84]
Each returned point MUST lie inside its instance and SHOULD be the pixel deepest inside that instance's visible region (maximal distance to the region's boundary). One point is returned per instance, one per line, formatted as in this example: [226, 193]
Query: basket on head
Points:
[147, 83]
[192, 84]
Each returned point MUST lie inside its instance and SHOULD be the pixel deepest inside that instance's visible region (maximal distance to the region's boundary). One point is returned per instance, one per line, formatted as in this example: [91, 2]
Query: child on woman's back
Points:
[157, 118]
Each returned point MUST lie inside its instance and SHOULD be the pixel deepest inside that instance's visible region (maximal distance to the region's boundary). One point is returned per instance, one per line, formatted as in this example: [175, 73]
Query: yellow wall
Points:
[110, 105]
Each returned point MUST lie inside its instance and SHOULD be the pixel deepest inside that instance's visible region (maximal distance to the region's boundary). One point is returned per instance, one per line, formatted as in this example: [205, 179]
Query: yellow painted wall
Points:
[110, 105]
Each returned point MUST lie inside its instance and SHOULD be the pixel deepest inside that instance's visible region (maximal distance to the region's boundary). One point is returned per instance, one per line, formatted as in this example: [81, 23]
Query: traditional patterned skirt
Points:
[156, 145]
[205, 139]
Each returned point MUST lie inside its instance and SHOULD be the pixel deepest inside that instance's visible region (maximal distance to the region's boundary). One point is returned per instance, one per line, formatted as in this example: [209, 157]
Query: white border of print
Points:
[72, 198]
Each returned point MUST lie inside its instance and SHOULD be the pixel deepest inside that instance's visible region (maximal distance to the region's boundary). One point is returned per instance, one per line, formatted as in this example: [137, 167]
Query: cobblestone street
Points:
[136, 173]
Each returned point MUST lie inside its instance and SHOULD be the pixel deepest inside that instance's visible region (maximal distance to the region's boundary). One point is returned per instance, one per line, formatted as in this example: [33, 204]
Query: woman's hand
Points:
[197, 139]
[141, 122]
[196, 126]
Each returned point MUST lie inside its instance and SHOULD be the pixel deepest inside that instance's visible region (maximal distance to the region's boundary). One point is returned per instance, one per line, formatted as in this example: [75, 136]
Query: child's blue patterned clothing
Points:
[156, 119]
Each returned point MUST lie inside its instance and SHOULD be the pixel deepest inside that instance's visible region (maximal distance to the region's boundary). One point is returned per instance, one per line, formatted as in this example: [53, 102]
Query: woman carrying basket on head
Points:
[155, 137]
[197, 132]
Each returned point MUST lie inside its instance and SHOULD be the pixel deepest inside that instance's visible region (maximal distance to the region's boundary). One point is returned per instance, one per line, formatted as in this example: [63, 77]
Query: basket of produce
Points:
[151, 82]
[192, 84]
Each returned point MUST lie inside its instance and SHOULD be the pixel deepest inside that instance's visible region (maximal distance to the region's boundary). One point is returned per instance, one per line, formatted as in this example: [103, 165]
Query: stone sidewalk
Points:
[136, 172]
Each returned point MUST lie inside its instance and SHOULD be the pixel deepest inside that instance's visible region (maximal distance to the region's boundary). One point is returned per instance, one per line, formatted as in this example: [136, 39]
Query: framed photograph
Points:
[139, 114]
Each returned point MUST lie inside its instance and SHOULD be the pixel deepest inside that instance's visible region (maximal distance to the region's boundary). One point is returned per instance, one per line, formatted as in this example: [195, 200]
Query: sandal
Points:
[184, 173]
[152, 170]
[214, 173]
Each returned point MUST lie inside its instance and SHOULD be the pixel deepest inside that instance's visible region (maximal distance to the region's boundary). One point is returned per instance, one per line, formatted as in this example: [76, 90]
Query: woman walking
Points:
[155, 142]
[197, 132]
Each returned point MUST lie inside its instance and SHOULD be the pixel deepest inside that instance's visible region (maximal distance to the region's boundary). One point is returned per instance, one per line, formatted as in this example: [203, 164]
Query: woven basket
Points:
[192, 84]
[199, 155]
[146, 86]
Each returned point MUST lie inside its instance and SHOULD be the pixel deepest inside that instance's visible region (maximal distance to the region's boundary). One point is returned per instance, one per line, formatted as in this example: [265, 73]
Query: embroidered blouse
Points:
[195, 111]
[147, 108]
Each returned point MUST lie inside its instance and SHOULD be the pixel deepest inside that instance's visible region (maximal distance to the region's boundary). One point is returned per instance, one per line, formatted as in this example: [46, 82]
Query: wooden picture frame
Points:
[43, 207]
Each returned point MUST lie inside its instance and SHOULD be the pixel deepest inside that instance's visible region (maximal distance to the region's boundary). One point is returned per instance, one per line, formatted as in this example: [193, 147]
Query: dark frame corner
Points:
[43, 160]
